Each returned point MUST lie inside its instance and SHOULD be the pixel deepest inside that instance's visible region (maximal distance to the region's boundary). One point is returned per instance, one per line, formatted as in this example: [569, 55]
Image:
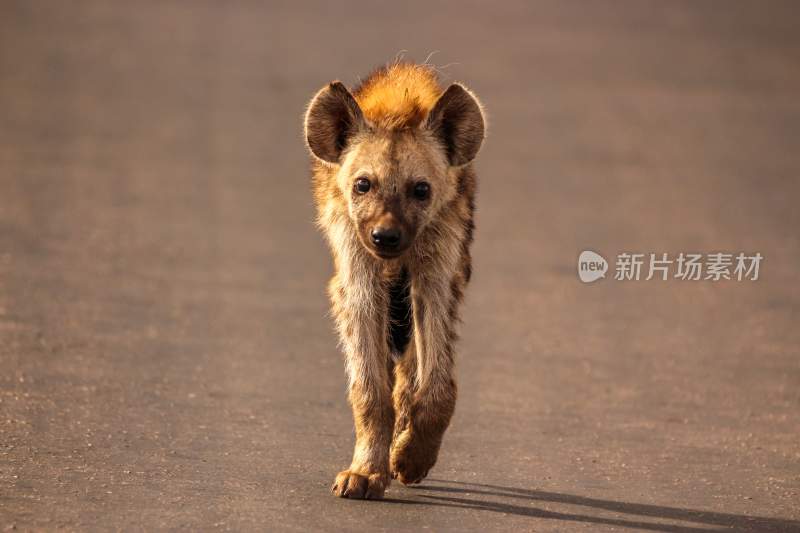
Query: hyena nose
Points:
[387, 238]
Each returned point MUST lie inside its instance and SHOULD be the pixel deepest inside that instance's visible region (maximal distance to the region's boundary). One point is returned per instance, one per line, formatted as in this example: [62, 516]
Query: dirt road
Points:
[166, 358]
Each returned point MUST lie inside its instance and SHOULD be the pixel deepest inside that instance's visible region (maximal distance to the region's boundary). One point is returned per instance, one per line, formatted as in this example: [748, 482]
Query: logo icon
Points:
[591, 266]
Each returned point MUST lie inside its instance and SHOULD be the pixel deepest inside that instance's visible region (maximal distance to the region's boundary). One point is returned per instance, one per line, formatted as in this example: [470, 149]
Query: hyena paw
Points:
[412, 457]
[350, 484]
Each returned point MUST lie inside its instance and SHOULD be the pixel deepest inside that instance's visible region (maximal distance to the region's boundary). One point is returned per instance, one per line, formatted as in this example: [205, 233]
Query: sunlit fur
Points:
[402, 403]
[399, 95]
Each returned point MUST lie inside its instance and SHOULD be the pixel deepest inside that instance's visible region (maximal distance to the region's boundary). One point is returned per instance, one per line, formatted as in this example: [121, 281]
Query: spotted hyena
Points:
[395, 191]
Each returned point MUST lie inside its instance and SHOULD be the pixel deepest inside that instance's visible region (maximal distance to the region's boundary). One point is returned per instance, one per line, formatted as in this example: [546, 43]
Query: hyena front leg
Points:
[405, 372]
[362, 326]
[425, 388]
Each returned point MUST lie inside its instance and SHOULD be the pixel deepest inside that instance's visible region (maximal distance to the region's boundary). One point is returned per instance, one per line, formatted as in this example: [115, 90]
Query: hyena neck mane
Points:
[398, 96]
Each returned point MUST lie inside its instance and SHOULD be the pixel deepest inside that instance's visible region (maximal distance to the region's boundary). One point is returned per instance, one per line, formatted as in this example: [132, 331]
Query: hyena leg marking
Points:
[425, 391]
[403, 392]
[363, 331]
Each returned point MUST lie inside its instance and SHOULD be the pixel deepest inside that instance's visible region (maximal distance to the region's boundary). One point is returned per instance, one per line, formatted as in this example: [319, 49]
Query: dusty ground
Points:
[165, 356]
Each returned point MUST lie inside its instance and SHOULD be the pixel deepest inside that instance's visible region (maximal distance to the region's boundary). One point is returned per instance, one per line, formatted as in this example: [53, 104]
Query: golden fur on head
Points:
[399, 95]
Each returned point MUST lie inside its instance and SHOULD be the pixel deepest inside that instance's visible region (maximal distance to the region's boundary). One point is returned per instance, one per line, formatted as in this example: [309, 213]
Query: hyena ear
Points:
[457, 120]
[333, 117]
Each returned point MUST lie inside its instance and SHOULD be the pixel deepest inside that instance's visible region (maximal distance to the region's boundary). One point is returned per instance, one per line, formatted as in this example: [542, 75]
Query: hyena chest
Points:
[401, 320]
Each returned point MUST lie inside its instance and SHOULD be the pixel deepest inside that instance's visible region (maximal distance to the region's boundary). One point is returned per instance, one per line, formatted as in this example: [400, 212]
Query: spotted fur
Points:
[396, 315]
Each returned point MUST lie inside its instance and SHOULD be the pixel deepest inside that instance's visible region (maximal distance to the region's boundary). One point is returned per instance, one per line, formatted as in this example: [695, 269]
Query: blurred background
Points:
[166, 356]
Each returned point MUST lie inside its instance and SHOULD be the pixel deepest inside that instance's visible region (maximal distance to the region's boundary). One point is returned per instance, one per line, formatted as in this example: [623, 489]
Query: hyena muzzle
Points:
[394, 188]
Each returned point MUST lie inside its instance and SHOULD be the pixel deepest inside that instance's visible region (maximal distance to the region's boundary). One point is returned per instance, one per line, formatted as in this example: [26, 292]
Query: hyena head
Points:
[394, 147]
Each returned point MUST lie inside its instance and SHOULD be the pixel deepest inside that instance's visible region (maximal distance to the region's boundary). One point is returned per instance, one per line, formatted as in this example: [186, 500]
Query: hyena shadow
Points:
[521, 502]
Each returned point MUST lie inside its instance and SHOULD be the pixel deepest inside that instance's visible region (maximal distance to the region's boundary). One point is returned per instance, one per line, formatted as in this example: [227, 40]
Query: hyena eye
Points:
[422, 190]
[362, 185]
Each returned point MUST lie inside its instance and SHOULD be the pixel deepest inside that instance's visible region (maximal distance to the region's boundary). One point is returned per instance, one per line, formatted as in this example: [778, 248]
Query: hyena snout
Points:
[387, 238]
